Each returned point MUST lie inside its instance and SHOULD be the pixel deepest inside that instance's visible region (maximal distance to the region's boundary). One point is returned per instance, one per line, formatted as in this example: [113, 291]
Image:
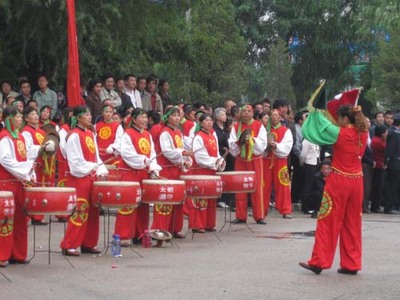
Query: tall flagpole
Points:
[73, 77]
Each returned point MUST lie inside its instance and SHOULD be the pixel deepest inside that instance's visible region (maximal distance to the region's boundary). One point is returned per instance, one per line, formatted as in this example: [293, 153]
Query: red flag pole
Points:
[73, 77]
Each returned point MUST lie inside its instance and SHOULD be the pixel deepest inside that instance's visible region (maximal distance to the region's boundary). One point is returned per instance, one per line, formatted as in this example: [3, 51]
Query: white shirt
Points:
[284, 147]
[201, 156]
[309, 153]
[260, 142]
[135, 98]
[174, 155]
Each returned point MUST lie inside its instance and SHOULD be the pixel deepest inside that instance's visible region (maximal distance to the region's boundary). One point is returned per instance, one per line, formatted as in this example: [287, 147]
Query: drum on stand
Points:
[116, 194]
[7, 206]
[238, 181]
[163, 191]
[203, 186]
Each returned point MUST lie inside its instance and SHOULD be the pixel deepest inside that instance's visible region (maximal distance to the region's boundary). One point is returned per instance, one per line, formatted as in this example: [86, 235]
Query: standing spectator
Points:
[120, 89]
[392, 163]
[388, 118]
[25, 91]
[266, 103]
[108, 92]
[46, 97]
[5, 91]
[378, 145]
[228, 104]
[378, 120]
[163, 90]
[297, 182]
[151, 100]
[132, 92]
[368, 165]
[93, 100]
[141, 86]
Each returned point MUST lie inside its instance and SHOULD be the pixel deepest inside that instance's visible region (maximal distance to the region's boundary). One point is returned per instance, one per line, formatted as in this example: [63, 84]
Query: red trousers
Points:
[257, 198]
[339, 218]
[83, 225]
[168, 217]
[14, 234]
[276, 174]
[132, 222]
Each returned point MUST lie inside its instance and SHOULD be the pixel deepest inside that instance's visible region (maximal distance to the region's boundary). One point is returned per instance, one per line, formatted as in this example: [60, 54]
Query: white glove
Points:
[109, 149]
[95, 167]
[50, 146]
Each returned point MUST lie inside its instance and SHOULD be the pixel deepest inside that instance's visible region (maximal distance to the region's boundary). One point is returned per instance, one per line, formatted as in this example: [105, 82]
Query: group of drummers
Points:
[82, 154]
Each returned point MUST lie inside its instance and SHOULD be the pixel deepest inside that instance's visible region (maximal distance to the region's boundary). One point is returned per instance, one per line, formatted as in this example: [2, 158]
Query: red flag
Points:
[349, 97]
[73, 77]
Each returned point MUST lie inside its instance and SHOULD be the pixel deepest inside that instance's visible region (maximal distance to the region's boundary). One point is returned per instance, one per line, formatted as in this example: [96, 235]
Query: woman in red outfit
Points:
[341, 209]
[202, 212]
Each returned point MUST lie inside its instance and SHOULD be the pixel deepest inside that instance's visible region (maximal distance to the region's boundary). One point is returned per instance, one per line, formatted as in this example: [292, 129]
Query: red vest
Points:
[106, 133]
[19, 150]
[255, 129]
[141, 141]
[210, 142]
[177, 137]
[86, 138]
[278, 134]
[186, 126]
[37, 134]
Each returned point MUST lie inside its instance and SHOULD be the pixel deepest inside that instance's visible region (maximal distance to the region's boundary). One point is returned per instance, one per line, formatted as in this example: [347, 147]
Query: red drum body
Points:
[163, 191]
[203, 186]
[116, 194]
[50, 200]
[238, 182]
[113, 173]
[7, 206]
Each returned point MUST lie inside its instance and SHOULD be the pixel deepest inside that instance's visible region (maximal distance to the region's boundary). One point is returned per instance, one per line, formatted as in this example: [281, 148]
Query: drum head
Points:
[116, 183]
[233, 173]
[163, 182]
[199, 177]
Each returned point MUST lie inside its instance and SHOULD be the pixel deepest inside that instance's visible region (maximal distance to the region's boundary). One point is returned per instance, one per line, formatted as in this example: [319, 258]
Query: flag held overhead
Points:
[346, 98]
[318, 98]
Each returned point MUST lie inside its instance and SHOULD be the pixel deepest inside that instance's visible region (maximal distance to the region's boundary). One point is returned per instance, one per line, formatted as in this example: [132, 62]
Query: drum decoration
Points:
[50, 200]
[7, 206]
[163, 191]
[238, 181]
[203, 186]
[116, 194]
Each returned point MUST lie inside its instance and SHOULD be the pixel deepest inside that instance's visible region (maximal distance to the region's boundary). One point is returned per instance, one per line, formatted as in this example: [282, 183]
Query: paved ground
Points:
[244, 265]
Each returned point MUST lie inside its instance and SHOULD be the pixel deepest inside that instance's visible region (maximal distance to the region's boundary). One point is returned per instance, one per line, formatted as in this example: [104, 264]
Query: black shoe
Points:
[315, 269]
[347, 272]
[238, 221]
[39, 223]
[62, 220]
[287, 216]
[261, 222]
[314, 215]
[67, 252]
[90, 250]
[136, 241]
[179, 236]
[198, 230]
[13, 261]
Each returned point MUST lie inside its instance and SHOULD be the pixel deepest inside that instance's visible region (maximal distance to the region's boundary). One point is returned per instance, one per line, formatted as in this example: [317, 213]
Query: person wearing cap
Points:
[16, 169]
[108, 136]
[138, 162]
[174, 160]
[392, 165]
[207, 161]
[247, 142]
[276, 172]
[340, 214]
[84, 165]
[45, 96]
[108, 91]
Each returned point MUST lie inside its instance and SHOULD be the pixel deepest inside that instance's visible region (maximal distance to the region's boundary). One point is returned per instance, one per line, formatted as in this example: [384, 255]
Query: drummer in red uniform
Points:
[108, 136]
[16, 168]
[276, 172]
[174, 160]
[247, 141]
[138, 163]
[84, 164]
[207, 160]
[44, 117]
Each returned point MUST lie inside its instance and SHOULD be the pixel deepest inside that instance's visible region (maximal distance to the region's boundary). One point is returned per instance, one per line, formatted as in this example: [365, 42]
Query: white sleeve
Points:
[285, 145]
[117, 142]
[138, 99]
[63, 142]
[79, 167]
[201, 156]
[304, 149]
[130, 155]
[22, 170]
[174, 155]
[233, 147]
[188, 140]
[101, 167]
[260, 142]
[31, 148]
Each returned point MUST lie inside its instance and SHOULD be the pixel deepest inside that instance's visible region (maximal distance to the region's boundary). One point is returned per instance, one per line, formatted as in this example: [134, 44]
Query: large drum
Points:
[7, 206]
[238, 181]
[50, 200]
[113, 173]
[203, 186]
[116, 194]
[163, 191]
